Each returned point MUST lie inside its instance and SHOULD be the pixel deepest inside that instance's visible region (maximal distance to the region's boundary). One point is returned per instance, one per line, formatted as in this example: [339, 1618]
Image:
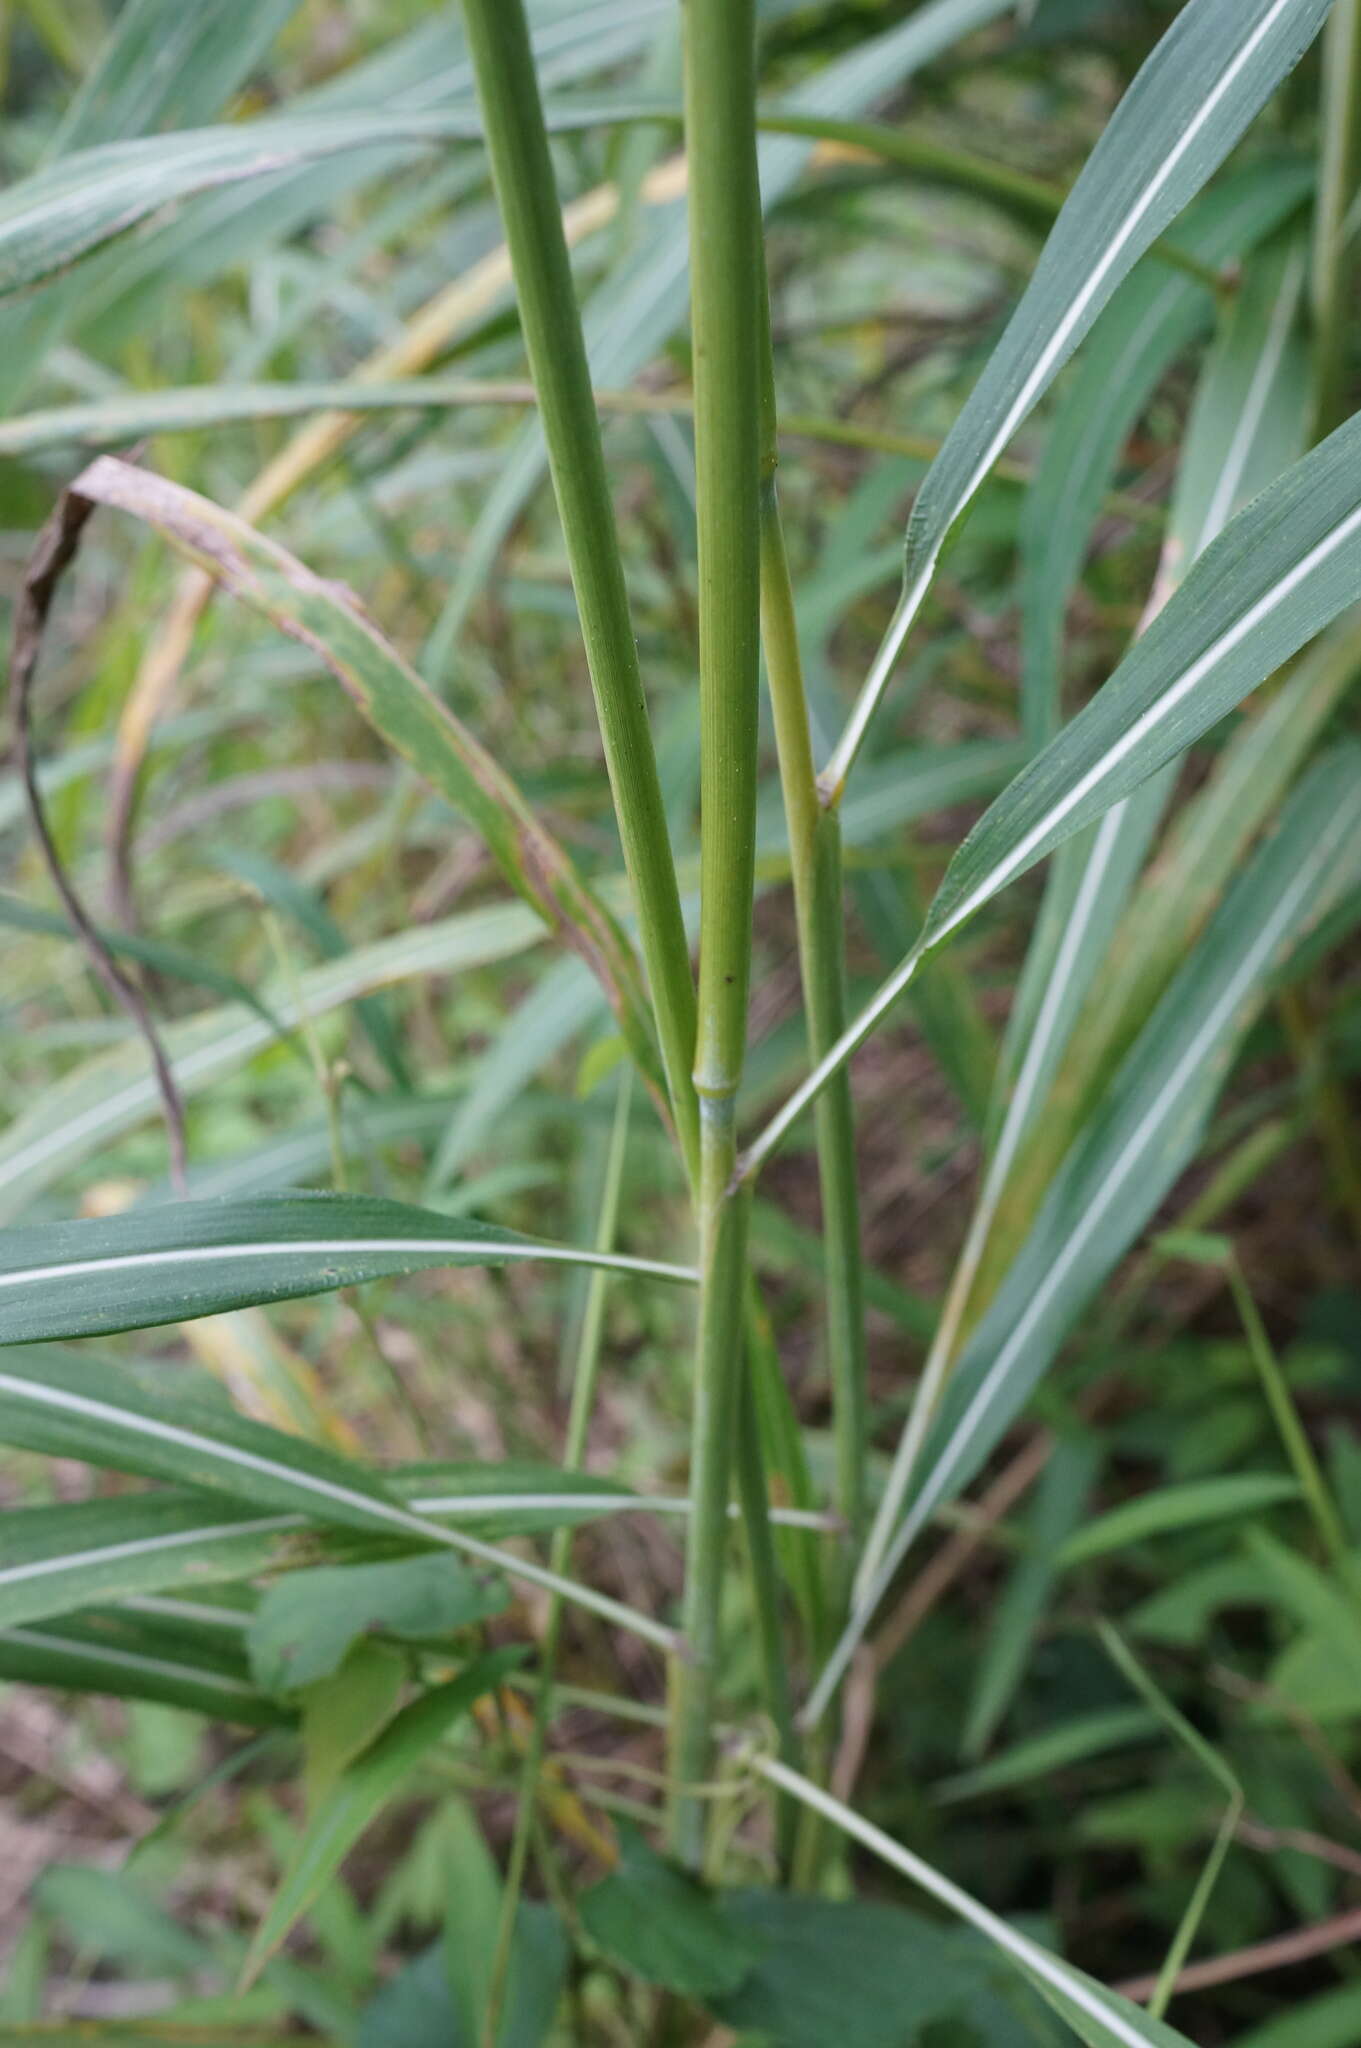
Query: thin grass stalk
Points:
[765, 1599]
[584, 1382]
[1339, 162]
[725, 227]
[1314, 1488]
[815, 867]
[526, 190]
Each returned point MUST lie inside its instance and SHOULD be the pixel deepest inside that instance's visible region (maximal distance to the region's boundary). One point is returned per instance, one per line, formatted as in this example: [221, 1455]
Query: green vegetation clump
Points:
[679, 1181]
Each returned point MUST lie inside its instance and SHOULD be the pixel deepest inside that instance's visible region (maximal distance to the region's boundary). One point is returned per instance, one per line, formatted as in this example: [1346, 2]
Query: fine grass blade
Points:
[1202, 851]
[105, 1097]
[360, 1795]
[167, 65]
[1209, 76]
[389, 694]
[1171, 1508]
[59, 214]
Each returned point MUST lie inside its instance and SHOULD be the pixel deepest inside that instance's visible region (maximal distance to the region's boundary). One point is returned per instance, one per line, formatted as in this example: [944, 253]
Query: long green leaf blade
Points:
[1209, 76]
[179, 1260]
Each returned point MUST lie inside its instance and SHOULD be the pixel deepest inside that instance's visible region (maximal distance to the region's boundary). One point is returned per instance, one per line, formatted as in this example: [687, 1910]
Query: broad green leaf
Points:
[1330, 2020]
[307, 1622]
[341, 1716]
[67, 1404]
[414, 2009]
[1170, 1508]
[1321, 1603]
[83, 1553]
[172, 1262]
[657, 1922]
[1102, 2018]
[64, 1405]
[472, 1897]
[1209, 76]
[362, 1792]
[329, 621]
[1069, 1742]
[1182, 1611]
[1151, 319]
[108, 1914]
[864, 1974]
[167, 1543]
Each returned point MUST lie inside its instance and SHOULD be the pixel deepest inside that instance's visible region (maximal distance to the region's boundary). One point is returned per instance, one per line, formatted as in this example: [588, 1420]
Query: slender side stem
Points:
[815, 865]
[1314, 1487]
[765, 1587]
[526, 190]
[1339, 160]
[725, 229]
[584, 1383]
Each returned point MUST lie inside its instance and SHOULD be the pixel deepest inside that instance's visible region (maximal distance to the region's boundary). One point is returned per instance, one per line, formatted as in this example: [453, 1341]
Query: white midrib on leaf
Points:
[472, 1505]
[373, 1507]
[1185, 1072]
[1040, 371]
[106, 1653]
[1088, 1998]
[489, 1250]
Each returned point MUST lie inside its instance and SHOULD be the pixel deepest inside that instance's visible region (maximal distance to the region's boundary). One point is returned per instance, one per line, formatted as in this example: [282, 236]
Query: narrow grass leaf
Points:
[387, 692]
[61, 213]
[1127, 1158]
[360, 1795]
[130, 1661]
[1209, 76]
[174, 1261]
[1169, 1509]
[1070, 1742]
[107, 1096]
[1278, 574]
[1156, 314]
